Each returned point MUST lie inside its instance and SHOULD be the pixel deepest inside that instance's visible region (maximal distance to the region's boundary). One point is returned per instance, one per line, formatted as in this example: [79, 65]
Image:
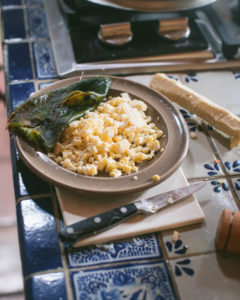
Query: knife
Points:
[72, 233]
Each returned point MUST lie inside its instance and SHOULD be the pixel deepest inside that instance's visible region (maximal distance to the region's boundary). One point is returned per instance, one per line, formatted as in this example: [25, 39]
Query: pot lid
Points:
[154, 5]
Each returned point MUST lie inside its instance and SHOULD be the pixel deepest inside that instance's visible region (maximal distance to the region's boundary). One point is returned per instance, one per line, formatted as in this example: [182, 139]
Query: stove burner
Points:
[75, 33]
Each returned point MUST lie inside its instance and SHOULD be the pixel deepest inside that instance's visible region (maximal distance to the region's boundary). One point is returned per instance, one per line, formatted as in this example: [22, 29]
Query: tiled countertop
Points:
[146, 267]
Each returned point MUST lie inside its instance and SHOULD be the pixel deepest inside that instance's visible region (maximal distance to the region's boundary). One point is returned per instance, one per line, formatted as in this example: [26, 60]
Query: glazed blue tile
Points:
[142, 247]
[20, 92]
[19, 62]
[25, 181]
[37, 22]
[13, 24]
[38, 237]
[32, 2]
[11, 2]
[136, 281]
[46, 287]
[44, 60]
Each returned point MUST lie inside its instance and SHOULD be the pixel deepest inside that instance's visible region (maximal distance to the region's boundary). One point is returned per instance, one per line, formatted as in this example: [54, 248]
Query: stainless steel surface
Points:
[154, 5]
[155, 203]
[66, 64]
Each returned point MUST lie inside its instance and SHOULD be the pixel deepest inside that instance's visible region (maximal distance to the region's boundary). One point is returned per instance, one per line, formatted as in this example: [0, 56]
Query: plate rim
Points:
[22, 145]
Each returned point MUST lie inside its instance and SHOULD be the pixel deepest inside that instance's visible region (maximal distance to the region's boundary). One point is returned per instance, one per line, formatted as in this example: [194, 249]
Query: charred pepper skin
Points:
[41, 120]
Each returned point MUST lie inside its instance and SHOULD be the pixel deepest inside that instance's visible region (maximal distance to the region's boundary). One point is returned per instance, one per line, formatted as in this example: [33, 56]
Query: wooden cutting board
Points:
[76, 207]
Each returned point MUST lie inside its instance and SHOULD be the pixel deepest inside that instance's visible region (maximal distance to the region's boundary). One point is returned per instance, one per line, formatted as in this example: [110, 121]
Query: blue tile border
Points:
[20, 92]
[25, 182]
[37, 23]
[10, 2]
[13, 24]
[135, 281]
[141, 247]
[46, 287]
[19, 62]
[44, 60]
[38, 238]
[33, 2]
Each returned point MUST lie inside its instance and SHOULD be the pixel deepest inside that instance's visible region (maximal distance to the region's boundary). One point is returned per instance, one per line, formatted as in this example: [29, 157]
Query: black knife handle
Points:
[72, 233]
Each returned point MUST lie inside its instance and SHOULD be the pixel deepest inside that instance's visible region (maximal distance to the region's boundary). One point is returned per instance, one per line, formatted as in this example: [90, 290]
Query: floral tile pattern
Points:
[37, 22]
[146, 281]
[236, 184]
[204, 277]
[200, 238]
[44, 60]
[142, 247]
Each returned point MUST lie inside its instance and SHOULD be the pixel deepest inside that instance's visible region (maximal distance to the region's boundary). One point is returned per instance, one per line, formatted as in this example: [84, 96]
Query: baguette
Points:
[220, 118]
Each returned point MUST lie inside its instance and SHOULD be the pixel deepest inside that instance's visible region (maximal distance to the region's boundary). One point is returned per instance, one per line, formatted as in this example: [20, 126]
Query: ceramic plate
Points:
[163, 114]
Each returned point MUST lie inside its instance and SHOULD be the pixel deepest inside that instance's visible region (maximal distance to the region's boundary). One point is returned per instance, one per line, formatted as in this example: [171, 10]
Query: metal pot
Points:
[153, 5]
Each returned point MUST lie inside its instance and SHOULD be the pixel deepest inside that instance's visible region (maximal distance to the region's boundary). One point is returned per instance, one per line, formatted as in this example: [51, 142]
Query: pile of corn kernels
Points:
[114, 138]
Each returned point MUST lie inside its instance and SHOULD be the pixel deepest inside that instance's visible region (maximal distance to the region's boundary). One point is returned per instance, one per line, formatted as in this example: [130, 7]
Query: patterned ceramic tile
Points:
[230, 158]
[201, 238]
[220, 87]
[13, 21]
[37, 22]
[38, 235]
[20, 67]
[46, 286]
[44, 60]
[207, 277]
[142, 247]
[25, 182]
[20, 92]
[236, 184]
[138, 281]
[204, 165]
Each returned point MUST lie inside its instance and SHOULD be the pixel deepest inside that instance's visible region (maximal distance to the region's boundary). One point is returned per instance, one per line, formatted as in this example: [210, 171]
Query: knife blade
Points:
[72, 233]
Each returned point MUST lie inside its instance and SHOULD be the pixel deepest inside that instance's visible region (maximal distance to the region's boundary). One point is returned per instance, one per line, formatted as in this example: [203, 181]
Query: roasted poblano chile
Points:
[42, 119]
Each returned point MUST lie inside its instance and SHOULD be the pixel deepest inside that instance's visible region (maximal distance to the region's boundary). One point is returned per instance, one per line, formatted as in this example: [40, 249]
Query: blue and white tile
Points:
[221, 87]
[142, 247]
[44, 60]
[37, 23]
[200, 238]
[236, 185]
[135, 281]
[19, 66]
[229, 157]
[207, 277]
[204, 165]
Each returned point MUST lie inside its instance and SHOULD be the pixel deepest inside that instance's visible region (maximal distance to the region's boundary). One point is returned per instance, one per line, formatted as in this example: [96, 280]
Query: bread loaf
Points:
[220, 118]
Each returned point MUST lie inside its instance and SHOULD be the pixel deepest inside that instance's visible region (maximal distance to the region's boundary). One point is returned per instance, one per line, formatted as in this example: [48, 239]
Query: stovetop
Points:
[214, 39]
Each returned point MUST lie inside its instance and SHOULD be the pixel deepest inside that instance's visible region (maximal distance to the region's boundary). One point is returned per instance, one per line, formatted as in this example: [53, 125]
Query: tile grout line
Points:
[62, 249]
[171, 273]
